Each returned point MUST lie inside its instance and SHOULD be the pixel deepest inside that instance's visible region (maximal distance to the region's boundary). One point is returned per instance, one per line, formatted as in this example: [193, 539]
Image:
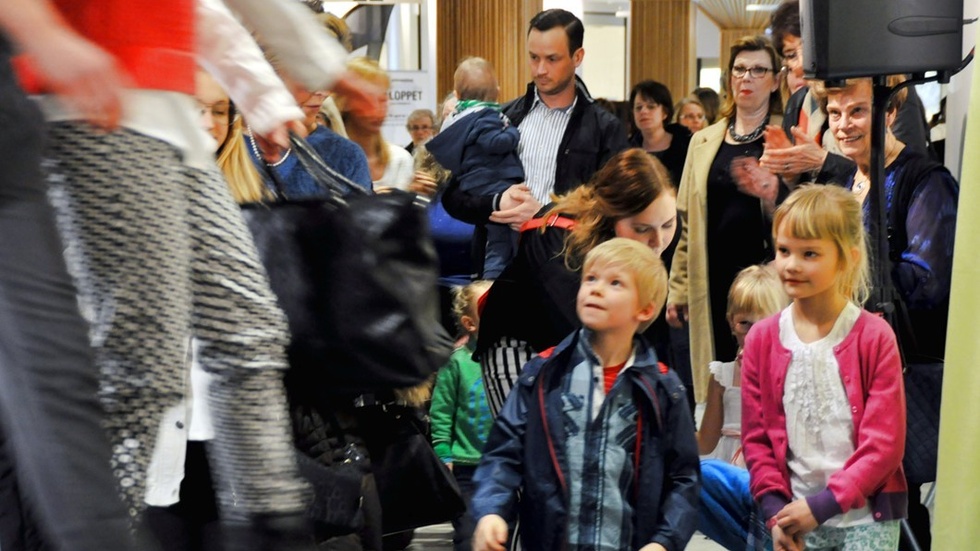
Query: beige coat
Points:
[689, 271]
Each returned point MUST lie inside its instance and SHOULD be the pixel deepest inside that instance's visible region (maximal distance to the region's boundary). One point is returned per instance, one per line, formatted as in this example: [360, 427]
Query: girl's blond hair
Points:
[243, 178]
[833, 213]
[756, 290]
[465, 299]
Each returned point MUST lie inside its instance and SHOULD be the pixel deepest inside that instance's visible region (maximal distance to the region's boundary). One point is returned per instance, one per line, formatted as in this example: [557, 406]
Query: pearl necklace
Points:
[258, 155]
[751, 136]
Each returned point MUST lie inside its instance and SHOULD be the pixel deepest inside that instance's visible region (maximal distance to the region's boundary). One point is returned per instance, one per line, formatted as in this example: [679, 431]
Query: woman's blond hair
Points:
[371, 71]
[833, 213]
[234, 161]
[758, 291]
[625, 186]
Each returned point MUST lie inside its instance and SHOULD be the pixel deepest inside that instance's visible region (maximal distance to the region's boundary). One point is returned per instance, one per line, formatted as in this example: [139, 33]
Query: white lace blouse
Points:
[819, 425]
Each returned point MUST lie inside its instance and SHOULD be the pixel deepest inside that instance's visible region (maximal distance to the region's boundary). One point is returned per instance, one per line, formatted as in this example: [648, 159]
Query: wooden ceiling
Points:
[734, 14]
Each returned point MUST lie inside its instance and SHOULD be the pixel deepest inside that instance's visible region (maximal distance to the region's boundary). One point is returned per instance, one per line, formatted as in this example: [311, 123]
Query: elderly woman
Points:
[690, 113]
[724, 230]
[808, 152]
[920, 209]
[421, 126]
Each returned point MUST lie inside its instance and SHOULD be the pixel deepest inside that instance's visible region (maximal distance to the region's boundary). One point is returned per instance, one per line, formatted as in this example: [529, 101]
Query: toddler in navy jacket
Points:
[478, 145]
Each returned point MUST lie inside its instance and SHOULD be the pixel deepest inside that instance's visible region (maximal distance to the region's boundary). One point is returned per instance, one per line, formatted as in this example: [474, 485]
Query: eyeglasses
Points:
[221, 110]
[692, 116]
[757, 72]
[418, 128]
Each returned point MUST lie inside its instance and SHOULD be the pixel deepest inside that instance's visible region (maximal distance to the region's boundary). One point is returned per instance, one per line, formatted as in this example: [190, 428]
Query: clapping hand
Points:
[752, 179]
[787, 160]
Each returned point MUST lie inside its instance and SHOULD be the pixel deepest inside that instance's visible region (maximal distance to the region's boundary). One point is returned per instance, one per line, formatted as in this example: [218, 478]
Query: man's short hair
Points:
[549, 19]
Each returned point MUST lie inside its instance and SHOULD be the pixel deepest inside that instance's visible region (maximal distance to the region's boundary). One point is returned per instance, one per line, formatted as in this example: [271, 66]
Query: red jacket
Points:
[154, 41]
[871, 370]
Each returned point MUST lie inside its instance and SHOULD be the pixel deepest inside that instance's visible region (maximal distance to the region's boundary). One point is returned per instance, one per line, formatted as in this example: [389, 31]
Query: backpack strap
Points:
[555, 219]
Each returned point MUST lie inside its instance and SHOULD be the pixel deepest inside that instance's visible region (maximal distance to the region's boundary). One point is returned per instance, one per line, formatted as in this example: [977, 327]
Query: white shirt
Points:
[400, 170]
[819, 426]
[541, 133]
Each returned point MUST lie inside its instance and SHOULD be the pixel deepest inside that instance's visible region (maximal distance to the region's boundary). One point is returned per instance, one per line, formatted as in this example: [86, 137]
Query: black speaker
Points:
[860, 38]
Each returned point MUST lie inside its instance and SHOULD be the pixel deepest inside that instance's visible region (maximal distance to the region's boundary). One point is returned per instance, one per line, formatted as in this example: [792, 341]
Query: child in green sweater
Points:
[460, 416]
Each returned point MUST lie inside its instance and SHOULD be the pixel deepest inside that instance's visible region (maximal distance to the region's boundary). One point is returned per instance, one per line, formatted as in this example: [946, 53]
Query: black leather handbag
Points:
[415, 487]
[337, 493]
[356, 275]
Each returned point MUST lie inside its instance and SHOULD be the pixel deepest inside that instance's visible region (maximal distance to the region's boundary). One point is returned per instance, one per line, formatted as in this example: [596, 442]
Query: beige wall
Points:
[493, 29]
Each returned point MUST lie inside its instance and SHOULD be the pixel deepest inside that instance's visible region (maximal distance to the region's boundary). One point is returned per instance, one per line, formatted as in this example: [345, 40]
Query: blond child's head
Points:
[623, 283]
[475, 80]
[829, 212]
[756, 293]
[465, 305]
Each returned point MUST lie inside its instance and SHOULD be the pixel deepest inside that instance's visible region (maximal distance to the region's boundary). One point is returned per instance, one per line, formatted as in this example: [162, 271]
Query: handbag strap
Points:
[334, 183]
[276, 185]
[325, 176]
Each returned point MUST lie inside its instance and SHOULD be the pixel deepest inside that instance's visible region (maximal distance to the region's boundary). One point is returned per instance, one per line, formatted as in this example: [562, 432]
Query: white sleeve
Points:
[227, 51]
[309, 54]
[402, 167]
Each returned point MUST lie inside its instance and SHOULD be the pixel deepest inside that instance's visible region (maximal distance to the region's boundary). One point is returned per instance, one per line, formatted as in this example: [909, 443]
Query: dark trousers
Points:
[192, 523]
[464, 526]
[56, 450]
[918, 521]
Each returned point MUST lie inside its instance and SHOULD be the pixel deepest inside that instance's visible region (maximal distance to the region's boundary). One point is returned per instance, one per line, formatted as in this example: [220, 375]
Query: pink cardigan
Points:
[872, 373]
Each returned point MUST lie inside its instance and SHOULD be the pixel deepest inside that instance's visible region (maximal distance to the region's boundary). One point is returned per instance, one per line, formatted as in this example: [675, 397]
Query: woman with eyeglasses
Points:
[724, 230]
[690, 113]
[421, 126]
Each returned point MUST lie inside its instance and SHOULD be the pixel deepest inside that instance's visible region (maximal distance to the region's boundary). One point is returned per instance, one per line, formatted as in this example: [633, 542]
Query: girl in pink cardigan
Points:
[823, 407]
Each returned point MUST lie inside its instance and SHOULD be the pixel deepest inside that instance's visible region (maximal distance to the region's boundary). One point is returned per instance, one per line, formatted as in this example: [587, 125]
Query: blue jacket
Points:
[340, 154]
[526, 452]
[480, 149]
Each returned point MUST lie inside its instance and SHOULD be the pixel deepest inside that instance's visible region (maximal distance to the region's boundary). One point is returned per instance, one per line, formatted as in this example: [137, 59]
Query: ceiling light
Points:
[761, 7]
